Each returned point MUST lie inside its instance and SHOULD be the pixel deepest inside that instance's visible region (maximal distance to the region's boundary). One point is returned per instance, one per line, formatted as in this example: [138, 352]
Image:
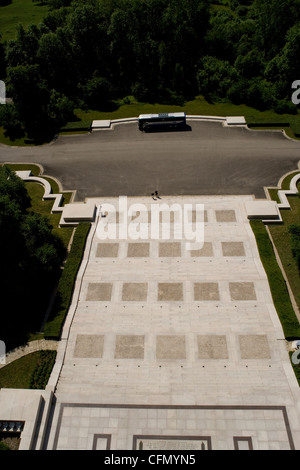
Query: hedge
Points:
[295, 126]
[76, 126]
[268, 124]
[66, 284]
[279, 291]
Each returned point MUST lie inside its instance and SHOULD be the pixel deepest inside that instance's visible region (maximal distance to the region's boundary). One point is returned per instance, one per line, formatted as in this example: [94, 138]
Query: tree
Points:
[13, 187]
[60, 108]
[283, 69]
[250, 65]
[97, 92]
[30, 94]
[22, 50]
[215, 77]
[30, 260]
[273, 22]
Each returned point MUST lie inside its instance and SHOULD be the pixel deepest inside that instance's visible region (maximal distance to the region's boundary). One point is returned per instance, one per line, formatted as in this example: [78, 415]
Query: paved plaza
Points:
[170, 348]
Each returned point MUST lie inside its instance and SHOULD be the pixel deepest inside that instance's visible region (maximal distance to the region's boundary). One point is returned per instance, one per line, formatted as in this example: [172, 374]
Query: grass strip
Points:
[279, 291]
[66, 283]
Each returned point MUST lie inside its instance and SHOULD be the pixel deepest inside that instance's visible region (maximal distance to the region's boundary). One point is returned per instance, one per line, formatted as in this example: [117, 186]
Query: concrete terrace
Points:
[169, 342]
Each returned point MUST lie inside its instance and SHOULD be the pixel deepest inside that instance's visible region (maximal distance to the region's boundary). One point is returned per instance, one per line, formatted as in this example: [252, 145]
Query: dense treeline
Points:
[87, 53]
[31, 258]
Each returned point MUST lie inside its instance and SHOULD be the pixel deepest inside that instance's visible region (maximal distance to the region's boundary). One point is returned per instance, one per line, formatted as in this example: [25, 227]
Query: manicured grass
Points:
[17, 12]
[66, 283]
[198, 106]
[282, 238]
[280, 294]
[40, 375]
[35, 169]
[18, 373]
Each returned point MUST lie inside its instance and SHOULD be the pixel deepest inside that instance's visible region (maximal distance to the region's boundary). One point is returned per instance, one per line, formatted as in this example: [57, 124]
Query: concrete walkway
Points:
[30, 347]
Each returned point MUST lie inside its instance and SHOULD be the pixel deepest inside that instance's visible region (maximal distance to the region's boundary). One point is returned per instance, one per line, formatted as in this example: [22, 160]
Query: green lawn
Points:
[18, 12]
[19, 373]
[198, 106]
[280, 295]
[282, 238]
[36, 192]
[282, 241]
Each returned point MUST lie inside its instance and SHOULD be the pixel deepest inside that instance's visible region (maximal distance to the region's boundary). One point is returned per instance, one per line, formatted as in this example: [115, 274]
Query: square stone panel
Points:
[242, 291]
[254, 347]
[138, 250]
[169, 249]
[225, 216]
[89, 346]
[192, 216]
[233, 249]
[107, 250]
[99, 291]
[170, 347]
[212, 347]
[170, 291]
[134, 291]
[206, 250]
[129, 347]
[206, 291]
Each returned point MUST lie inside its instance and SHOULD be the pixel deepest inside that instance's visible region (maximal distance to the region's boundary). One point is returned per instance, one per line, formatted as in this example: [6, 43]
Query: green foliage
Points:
[294, 230]
[90, 53]
[215, 78]
[4, 446]
[277, 284]
[97, 92]
[66, 284]
[13, 187]
[43, 369]
[21, 373]
[30, 260]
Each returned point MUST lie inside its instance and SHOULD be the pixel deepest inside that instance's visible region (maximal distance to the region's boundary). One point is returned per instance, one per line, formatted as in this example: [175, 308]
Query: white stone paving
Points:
[157, 384]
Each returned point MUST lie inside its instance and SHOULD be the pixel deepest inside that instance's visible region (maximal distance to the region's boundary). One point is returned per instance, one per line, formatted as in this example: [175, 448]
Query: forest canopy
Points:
[31, 258]
[87, 53]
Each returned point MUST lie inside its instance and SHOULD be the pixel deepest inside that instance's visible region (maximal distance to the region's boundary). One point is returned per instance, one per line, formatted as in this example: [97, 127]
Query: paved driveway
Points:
[209, 159]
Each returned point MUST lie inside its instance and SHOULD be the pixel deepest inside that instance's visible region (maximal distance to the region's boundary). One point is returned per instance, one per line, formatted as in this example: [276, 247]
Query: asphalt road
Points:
[208, 159]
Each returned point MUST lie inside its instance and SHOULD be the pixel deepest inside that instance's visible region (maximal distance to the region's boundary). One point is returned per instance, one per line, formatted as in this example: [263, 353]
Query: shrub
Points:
[285, 107]
[41, 373]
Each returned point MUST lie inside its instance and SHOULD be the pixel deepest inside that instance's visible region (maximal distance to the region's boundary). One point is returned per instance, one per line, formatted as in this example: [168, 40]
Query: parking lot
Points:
[209, 159]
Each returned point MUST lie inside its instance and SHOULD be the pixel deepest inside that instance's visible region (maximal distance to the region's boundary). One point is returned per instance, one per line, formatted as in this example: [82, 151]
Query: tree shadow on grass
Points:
[4, 3]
